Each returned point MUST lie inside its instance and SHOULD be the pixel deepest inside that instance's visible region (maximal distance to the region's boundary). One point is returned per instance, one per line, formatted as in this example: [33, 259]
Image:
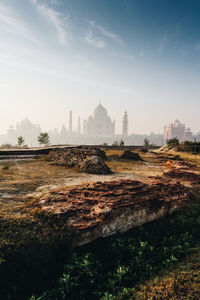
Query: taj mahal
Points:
[98, 128]
[99, 124]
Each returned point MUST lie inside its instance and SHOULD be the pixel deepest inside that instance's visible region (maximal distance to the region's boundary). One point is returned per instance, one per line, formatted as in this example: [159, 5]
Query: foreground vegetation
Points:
[181, 281]
[111, 268]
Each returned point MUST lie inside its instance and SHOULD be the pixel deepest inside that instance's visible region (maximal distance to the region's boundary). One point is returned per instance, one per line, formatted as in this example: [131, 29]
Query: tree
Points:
[20, 141]
[44, 139]
[121, 143]
[115, 143]
[146, 143]
[173, 142]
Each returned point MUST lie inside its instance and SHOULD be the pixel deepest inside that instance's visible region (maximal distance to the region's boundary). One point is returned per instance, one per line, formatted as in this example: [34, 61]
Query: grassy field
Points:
[34, 246]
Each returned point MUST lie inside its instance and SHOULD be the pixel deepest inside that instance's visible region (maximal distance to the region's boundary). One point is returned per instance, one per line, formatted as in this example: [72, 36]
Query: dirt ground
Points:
[19, 178]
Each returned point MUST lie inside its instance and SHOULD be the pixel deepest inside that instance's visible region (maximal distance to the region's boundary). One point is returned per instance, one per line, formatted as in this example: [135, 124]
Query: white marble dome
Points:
[99, 124]
[100, 112]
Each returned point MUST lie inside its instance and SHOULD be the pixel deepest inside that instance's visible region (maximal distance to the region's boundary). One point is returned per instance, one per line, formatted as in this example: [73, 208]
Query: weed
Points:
[5, 167]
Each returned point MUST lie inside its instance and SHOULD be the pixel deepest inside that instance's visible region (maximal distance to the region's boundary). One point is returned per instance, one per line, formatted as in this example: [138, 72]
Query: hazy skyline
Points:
[142, 56]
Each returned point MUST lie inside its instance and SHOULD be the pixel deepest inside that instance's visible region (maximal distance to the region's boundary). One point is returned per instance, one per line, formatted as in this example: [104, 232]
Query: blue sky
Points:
[142, 56]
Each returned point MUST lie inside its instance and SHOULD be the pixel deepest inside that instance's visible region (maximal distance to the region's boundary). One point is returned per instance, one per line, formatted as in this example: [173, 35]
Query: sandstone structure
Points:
[104, 208]
[177, 130]
[83, 159]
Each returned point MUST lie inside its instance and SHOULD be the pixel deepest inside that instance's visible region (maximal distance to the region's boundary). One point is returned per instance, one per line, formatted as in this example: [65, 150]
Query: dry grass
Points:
[17, 179]
[189, 157]
[19, 213]
[21, 220]
[22, 178]
[139, 170]
[110, 153]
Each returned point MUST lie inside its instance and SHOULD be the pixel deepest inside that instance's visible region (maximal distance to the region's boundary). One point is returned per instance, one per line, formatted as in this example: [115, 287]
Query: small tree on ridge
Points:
[43, 139]
[20, 141]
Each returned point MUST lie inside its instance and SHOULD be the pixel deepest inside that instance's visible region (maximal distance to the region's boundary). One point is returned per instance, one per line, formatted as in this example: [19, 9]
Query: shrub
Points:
[173, 142]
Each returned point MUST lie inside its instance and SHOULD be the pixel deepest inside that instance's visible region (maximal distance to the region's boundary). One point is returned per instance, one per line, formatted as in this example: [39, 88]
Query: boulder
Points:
[130, 155]
[94, 165]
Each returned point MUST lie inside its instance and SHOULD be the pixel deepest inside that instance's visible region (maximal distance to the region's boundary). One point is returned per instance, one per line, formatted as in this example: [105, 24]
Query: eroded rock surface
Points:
[83, 159]
[104, 208]
[184, 173]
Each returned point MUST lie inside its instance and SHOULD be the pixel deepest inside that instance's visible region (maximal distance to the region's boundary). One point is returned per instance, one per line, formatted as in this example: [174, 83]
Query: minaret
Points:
[79, 125]
[70, 122]
[125, 124]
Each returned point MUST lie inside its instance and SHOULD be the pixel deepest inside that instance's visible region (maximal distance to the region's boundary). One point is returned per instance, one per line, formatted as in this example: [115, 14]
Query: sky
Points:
[142, 56]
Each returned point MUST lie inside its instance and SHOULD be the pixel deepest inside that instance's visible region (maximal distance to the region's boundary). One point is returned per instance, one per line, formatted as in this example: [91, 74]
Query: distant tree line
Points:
[186, 146]
[43, 139]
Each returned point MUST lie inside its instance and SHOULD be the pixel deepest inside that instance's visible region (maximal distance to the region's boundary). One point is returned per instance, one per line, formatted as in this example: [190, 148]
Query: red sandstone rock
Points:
[184, 173]
[103, 208]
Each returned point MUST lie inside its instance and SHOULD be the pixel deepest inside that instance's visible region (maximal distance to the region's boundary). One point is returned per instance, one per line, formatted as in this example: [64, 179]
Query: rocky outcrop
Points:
[94, 165]
[183, 172]
[179, 172]
[130, 155]
[104, 208]
[83, 159]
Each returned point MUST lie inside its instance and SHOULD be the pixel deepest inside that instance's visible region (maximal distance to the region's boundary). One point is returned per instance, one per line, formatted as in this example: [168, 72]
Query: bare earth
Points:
[29, 176]
[24, 183]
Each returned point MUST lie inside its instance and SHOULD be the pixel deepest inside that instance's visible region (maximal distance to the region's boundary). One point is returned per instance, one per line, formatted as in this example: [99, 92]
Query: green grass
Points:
[113, 268]
[180, 282]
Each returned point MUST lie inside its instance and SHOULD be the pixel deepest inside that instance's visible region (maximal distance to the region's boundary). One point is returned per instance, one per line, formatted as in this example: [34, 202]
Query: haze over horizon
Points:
[141, 56]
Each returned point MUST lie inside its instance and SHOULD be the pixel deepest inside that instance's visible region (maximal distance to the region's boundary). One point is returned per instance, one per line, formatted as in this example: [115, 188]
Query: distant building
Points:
[70, 122]
[177, 130]
[79, 126]
[99, 124]
[26, 129]
[125, 124]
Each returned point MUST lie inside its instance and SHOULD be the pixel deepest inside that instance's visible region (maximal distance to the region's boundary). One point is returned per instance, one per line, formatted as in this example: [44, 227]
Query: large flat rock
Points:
[104, 208]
